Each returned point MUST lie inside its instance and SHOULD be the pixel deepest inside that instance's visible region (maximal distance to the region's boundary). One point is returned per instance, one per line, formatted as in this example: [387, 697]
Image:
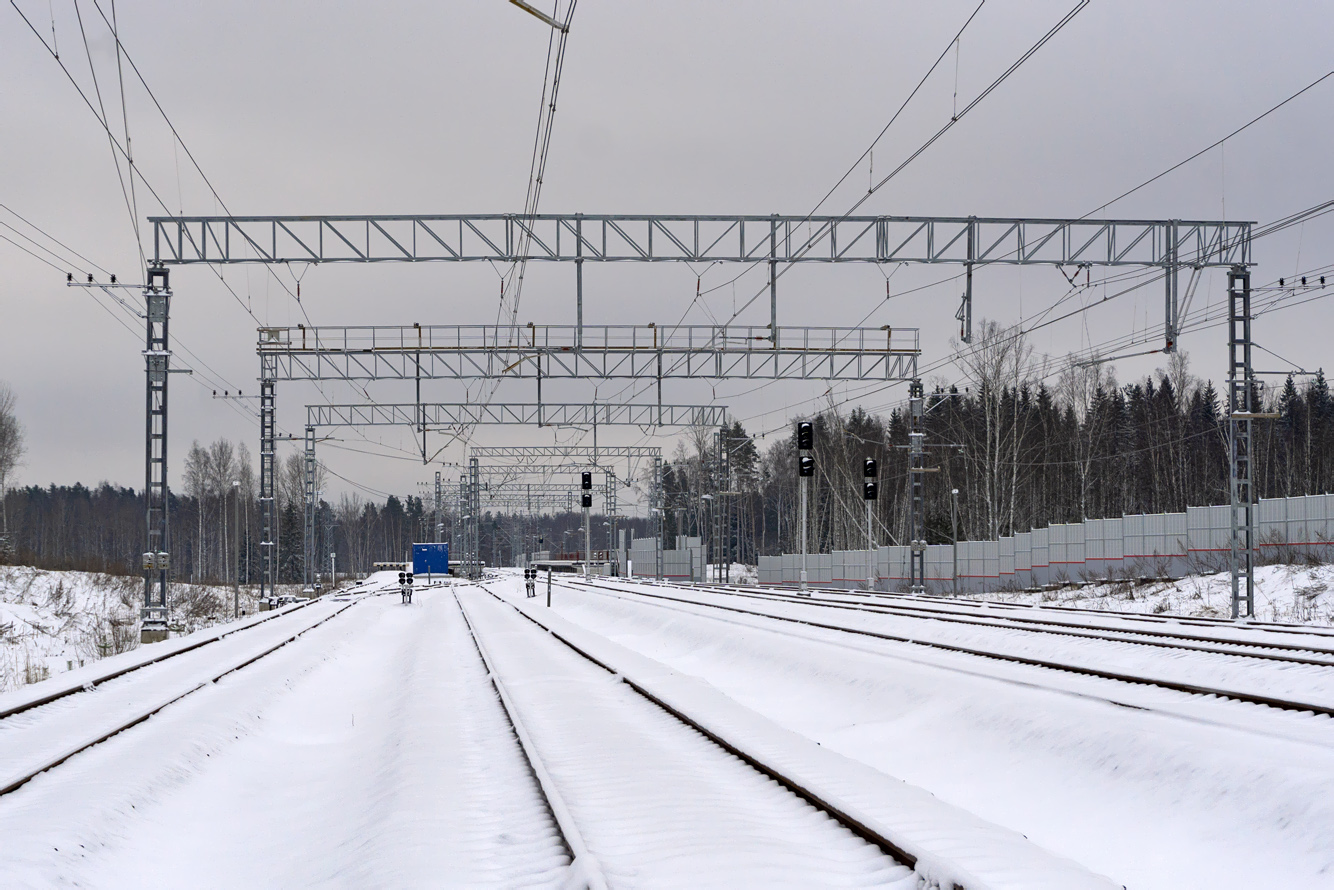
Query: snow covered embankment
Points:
[1283, 593]
[52, 622]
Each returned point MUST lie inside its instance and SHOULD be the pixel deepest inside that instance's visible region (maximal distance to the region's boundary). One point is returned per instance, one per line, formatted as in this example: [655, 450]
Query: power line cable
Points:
[51, 237]
[992, 87]
[121, 49]
[113, 145]
[1212, 146]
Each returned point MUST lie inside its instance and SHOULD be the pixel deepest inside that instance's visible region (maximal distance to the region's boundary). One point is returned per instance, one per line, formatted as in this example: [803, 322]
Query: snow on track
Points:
[658, 804]
[1242, 636]
[1124, 779]
[372, 752]
[43, 736]
[1297, 683]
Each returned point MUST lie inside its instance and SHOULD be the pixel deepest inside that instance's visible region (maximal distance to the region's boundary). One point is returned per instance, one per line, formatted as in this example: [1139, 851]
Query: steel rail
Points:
[89, 685]
[1192, 620]
[1197, 620]
[1058, 628]
[1189, 688]
[856, 826]
[53, 762]
[580, 856]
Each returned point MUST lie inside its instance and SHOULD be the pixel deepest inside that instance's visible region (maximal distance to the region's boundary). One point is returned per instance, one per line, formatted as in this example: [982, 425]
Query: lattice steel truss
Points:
[690, 238]
[157, 551]
[776, 240]
[1241, 384]
[916, 488]
[435, 416]
[606, 352]
[518, 503]
[570, 459]
[646, 353]
[595, 454]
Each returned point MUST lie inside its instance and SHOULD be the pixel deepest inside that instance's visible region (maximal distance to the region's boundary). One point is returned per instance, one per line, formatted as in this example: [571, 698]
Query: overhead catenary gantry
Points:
[429, 415]
[445, 416]
[647, 352]
[775, 239]
[569, 459]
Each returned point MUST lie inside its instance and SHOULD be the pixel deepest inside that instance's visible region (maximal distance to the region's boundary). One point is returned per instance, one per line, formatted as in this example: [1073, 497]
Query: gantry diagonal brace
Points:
[605, 352]
[590, 454]
[574, 237]
[446, 415]
[578, 238]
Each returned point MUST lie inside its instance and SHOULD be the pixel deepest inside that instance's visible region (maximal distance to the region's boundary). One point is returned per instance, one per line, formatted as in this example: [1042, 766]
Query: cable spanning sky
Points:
[691, 107]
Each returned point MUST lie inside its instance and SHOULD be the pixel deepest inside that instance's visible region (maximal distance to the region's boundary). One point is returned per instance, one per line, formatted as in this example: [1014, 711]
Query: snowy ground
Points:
[52, 622]
[1284, 593]
[1154, 789]
[374, 751]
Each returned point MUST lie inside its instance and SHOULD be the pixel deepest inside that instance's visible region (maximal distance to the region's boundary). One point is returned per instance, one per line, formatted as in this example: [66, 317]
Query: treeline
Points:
[1022, 453]
[1024, 445]
[215, 523]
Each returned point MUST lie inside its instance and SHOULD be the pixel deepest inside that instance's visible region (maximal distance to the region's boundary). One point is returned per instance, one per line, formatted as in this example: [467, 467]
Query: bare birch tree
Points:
[11, 450]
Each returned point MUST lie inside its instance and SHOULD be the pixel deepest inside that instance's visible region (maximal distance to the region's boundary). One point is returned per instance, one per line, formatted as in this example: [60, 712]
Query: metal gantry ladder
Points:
[474, 525]
[157, 357]
[311, 497]
[1241, 411]
[916, 474]
[268, 445]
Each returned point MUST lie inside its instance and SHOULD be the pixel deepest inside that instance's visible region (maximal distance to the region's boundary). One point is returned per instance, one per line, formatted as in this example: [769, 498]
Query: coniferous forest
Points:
[1024, 446]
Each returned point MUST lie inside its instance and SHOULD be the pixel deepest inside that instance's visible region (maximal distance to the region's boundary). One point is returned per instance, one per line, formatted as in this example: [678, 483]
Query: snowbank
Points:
[1284, 593]
[51, 622]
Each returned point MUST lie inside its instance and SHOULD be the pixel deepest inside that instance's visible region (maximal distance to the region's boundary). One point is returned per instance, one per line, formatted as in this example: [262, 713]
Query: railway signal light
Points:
[869, 469]
[586, 500]
[805, 465]
[869, 490]
[402, 577]
[586, 482]
[805, 436]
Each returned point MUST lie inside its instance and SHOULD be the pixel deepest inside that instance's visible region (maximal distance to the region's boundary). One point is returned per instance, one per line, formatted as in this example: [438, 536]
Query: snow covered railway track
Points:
[1264, 650]
[46, 698]
[38, 741]
[1193, 689]
[641, 790]
[1323, 635]
[584, 869]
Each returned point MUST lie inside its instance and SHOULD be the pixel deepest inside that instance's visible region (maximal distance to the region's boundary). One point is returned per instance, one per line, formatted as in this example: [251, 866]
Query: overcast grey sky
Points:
[692, 107]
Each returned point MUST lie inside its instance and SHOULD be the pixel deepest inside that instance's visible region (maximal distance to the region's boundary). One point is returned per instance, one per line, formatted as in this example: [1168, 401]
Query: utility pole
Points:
[236, 550]
[610, 506]
[586, 499]
[916, 471]
[658, 510]
[805, 470]
[474, 527]
[439, 516]
[954, 535]
[310, 497]
[1241, 383]
[869, 493]
[724, 523]
[157, 555]
[710, 535]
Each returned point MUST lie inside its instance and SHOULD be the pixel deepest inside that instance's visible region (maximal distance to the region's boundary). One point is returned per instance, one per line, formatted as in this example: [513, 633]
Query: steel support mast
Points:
[157, 552]
[439, 511]
[311, 497]
[1241, 411]
[657, 513]
[474, 526]
[916, 474]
